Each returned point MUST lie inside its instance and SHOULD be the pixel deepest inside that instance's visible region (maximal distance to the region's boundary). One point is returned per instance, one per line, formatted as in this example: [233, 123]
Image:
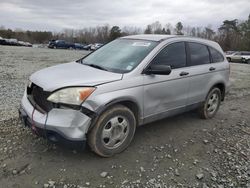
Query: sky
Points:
[56, 15]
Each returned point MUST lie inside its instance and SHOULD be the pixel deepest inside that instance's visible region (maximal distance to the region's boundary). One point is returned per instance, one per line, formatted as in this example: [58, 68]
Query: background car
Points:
[3, 41]
[245, 57]
[61, 44]
[79, 46]
[239, 57]
[87, 47]
[96, 46]
[229, 52]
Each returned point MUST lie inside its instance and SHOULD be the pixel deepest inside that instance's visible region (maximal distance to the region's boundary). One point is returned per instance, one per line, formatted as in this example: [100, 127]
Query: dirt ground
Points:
[182, 151]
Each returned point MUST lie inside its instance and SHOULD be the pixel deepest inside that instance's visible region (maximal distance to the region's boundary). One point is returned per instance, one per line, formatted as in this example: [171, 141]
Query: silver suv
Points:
[102, 98]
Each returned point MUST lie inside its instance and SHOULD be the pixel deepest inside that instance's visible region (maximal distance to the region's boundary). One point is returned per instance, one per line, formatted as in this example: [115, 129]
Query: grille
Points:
[38, 97]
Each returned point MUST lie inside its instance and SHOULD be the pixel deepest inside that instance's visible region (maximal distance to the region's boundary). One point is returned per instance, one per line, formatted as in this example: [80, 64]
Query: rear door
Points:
[163, 93]
[202, 70]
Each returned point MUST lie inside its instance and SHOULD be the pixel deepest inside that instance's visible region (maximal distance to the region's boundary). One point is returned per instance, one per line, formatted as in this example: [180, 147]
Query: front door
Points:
[165, 93]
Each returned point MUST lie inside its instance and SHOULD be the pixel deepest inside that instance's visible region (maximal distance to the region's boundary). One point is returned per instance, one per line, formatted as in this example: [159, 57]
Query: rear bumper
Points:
[58, 124]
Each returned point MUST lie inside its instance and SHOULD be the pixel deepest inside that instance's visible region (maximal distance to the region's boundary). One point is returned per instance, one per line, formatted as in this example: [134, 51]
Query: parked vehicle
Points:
[95, 46]
[102, 98]
[229, 52]
[22, 43]
[61, 44]
[3, 41]
[14, 42]
[27, 44]
[79, 46]
[240, 57]
[87, 47]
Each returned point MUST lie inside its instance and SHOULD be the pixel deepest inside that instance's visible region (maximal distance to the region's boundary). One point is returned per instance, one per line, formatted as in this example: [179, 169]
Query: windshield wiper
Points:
[96, 66]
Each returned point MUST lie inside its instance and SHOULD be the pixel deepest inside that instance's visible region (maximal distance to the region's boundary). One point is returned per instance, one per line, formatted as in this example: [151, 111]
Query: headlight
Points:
[74, 95]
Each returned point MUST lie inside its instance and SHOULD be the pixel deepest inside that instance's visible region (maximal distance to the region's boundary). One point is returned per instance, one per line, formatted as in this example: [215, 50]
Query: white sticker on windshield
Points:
[129, 67]
[145, 44]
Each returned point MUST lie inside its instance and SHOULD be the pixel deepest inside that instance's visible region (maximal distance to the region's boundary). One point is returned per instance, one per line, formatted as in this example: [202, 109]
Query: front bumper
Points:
[69, 124]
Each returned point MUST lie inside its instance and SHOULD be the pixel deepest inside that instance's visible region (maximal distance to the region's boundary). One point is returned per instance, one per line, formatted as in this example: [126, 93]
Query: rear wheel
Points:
[113, 131]
[211, 105]
[228, 59]
[248, 61]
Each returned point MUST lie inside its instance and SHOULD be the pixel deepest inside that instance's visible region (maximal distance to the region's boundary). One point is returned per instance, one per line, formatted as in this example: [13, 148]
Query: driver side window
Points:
[173, 55]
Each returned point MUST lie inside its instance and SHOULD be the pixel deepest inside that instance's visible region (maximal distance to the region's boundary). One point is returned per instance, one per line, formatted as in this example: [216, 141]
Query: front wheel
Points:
[211, 105]
[113, 131]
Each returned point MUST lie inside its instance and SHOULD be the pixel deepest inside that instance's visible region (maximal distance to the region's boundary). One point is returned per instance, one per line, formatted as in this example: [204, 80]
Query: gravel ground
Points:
[182, 151]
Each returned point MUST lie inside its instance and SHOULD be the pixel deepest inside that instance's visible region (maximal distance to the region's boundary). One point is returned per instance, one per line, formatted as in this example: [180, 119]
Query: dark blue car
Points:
[61, 44]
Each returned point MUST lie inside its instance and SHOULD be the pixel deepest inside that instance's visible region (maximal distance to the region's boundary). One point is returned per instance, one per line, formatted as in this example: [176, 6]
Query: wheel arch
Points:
[128, 102]
[222, 88]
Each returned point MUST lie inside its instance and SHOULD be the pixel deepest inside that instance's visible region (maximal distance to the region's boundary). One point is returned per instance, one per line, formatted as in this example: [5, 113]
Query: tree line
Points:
[231, 35]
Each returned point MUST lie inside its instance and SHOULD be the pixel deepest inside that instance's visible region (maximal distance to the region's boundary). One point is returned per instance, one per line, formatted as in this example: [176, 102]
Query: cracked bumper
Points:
[69, 124]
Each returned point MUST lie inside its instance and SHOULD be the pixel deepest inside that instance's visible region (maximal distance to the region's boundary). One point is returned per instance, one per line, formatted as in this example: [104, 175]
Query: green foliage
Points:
[148, 30]
[234, 35]
[115, 32]
[178, 28]
[168, 32]
[229, 26]
[245, 33]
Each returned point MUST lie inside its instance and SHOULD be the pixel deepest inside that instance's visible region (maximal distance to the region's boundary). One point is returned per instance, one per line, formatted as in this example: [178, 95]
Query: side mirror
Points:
[158, 69]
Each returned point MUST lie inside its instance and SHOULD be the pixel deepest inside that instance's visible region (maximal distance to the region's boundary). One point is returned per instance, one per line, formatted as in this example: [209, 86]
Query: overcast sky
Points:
[56, 15]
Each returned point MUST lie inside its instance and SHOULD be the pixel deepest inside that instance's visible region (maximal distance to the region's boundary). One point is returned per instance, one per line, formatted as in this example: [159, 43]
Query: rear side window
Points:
[215, 55]
[173, 55]
[199, 54]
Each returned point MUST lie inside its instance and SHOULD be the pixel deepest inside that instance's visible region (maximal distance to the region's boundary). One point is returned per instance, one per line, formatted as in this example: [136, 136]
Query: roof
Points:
[159, 38]
[151, 37]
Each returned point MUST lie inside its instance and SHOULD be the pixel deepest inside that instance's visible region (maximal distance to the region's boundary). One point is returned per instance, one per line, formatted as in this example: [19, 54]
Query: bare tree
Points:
[156, 27]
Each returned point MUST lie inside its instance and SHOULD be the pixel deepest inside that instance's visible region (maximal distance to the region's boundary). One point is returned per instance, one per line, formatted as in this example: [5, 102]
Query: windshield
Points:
[121, 55]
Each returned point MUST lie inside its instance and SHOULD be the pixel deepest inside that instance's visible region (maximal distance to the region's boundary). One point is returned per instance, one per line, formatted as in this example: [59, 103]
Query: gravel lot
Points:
[182, 151]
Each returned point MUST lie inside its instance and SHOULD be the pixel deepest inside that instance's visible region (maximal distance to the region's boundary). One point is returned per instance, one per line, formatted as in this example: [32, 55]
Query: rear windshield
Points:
[121, 55]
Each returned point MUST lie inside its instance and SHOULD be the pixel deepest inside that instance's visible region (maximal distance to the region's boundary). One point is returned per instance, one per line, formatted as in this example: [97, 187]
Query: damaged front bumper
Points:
[58, 124]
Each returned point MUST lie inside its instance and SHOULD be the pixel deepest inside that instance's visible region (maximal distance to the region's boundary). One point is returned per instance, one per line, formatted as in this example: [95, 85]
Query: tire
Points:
[113, 131]
[228, 59]
[207, 110]
[248, 61]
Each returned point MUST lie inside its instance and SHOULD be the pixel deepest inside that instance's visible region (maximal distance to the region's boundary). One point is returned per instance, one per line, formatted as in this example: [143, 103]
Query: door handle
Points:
[212, 68]
[184, 73]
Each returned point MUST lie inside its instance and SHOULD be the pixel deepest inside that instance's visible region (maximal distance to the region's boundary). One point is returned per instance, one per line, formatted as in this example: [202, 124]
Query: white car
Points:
[243, 57]
[96, 46]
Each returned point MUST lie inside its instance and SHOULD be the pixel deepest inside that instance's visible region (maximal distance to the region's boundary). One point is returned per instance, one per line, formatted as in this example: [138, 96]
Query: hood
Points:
[71, 74]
